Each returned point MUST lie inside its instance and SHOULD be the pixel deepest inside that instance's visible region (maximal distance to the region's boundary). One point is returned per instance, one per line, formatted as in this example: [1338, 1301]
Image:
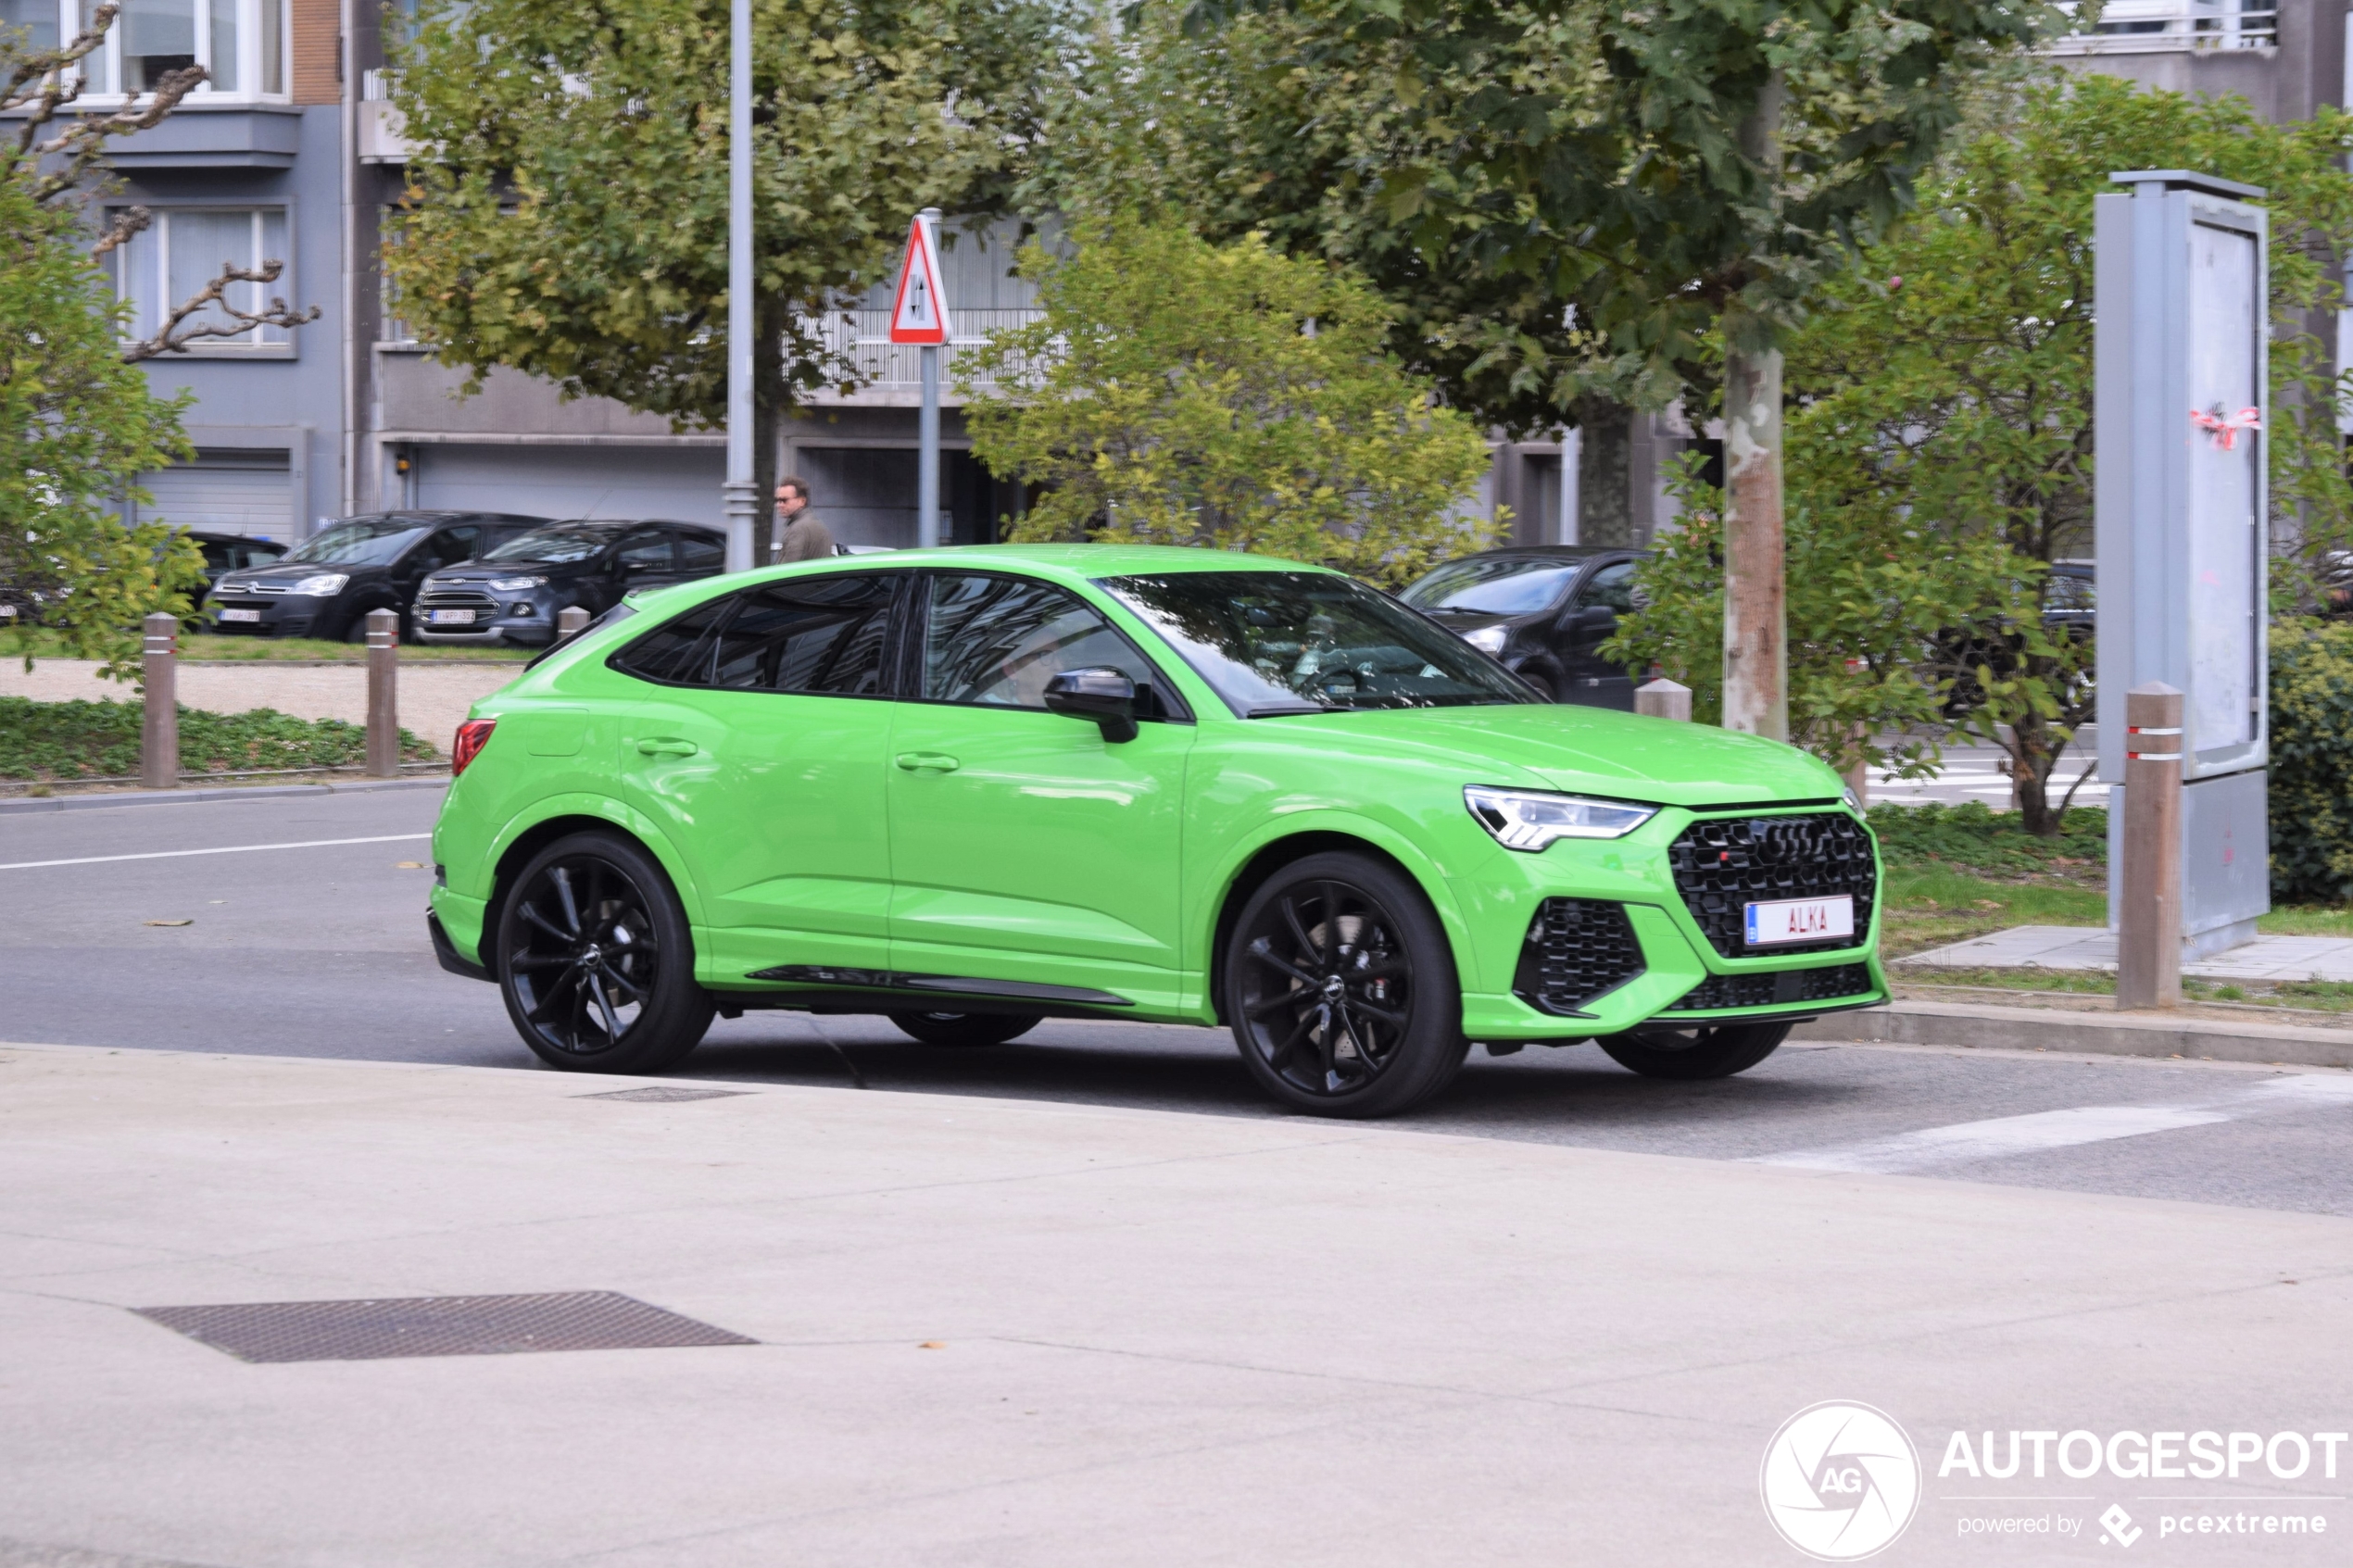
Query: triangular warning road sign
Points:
[919, 311]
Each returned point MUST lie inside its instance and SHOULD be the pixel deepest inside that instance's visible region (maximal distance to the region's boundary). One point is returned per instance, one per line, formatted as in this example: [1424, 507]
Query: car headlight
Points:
[1489, 639]
[1531, 820]
[1854, 801]
[512, 585]
[325, 585]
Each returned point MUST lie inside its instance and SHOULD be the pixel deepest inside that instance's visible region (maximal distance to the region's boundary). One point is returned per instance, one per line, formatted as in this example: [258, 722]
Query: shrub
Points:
[2311, 761]
[100, 740]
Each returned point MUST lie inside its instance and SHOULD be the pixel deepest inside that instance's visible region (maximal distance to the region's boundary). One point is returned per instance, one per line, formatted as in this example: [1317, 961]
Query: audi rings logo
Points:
[1841, 1481]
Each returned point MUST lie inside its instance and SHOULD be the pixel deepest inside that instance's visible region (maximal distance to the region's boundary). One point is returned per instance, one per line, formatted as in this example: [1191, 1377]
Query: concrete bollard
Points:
[159, 724]
[1664, 698]
[570, 622]
[384, 694]
[2149, 883]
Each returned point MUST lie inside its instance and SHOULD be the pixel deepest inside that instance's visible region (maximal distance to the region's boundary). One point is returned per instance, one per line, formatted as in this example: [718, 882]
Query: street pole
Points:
[1756, 633]
[927, 429]
[740, 497]
[2148, 877]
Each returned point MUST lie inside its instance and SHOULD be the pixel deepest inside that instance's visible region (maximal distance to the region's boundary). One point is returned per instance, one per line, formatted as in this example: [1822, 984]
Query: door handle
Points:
[927, 761]
[667, 747]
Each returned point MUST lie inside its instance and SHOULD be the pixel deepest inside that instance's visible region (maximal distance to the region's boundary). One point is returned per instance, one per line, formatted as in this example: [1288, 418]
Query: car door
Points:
[1588, 619]
[757, 739]
[646, 558]
[1025, 847]
[700, 553]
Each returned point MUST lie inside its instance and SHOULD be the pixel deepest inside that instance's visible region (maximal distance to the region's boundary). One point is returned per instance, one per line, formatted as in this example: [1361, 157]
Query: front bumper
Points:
[273, 615]
[1651, 962]
[525, 617]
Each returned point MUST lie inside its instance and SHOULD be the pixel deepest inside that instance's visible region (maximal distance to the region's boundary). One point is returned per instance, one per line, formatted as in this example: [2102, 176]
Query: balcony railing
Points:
[890, 373]
[2131, 27]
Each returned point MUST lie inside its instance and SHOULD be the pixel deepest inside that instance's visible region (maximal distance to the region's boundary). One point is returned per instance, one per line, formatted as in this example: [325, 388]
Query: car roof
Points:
[617, 523]
[1092, 561]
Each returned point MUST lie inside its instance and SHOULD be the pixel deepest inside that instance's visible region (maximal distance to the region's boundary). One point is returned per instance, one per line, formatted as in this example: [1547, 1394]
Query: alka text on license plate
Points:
[1801, 919]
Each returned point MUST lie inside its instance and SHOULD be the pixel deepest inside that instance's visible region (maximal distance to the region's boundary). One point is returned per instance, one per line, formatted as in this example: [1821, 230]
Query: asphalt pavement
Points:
[305, 936]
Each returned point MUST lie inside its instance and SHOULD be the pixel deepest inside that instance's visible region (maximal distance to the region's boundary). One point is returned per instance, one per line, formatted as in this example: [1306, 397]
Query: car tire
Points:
[1340, 988]
[1713, 1050]
[595, 961]
[965, 1029]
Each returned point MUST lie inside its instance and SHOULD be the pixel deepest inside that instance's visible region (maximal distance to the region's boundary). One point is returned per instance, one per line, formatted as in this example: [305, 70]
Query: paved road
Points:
[320, 951]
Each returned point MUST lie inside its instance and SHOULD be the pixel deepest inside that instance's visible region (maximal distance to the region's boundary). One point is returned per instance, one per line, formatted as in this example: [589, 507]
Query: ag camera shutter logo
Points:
[1841, 1481]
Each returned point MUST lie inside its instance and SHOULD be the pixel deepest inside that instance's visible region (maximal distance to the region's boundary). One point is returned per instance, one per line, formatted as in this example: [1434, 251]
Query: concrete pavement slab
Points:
[2075, 947]
[1025, 1333]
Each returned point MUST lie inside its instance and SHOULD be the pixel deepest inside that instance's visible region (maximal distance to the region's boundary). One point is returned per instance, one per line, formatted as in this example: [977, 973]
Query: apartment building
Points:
[293, 150]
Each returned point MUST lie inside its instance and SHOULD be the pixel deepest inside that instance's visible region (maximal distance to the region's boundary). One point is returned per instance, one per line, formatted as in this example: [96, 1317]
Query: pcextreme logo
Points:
[1841, 1481]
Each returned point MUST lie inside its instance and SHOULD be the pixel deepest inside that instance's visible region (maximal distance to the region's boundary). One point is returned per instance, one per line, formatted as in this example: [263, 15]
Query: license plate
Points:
[451, 617]
[240, 615]
[1800, 920]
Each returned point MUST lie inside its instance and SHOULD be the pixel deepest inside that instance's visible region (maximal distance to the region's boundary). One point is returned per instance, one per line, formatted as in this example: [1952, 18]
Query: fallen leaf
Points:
[170, 922]
[407, 865]
[933, 1345]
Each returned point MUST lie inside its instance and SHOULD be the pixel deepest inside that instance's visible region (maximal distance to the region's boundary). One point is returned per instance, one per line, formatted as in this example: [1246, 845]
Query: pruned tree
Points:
[60, 159]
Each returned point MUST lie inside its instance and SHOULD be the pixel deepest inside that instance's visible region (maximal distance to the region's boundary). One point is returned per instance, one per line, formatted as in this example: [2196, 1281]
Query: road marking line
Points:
[226, 850]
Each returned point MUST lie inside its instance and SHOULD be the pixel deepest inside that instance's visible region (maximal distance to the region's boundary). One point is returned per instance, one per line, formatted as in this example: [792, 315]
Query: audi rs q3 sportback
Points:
[971, 789]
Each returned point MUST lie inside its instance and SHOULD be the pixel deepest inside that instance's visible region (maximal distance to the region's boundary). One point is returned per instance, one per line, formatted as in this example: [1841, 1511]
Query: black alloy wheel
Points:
[1706, 1051]
[595, 959]
[965, 1028]
[1341, 989]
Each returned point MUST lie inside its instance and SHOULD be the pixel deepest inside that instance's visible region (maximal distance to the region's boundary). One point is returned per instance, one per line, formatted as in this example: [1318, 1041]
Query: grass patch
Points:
[100, 740]
[1991, 844]
[41, 642]
[1928, 907]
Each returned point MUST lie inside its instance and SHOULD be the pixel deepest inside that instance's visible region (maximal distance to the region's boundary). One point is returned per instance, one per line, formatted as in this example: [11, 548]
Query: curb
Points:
[2097, 1034]
[194, 796]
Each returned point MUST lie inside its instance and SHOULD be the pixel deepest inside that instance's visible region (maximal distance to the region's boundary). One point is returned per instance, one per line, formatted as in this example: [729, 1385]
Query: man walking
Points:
[799, 535]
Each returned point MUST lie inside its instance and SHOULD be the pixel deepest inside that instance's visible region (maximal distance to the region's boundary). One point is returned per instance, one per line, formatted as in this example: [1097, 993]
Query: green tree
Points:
[1181, 393]
[1940, 445]
[77, 426]
[571, 218]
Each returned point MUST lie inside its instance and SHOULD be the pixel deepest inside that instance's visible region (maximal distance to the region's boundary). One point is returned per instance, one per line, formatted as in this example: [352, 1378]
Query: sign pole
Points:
[740, 497]
[927, 428]
[919, 318]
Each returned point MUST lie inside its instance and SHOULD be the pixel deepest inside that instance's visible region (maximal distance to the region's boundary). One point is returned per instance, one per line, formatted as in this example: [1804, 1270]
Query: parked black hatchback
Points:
[1545, 610]
[326, 585]
[513, 593]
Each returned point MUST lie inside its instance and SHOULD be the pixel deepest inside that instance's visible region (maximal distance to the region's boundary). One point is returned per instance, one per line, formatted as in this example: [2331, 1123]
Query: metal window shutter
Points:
[248, 495]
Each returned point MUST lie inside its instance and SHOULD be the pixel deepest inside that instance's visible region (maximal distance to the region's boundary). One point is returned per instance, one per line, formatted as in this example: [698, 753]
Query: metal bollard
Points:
[384, 694]
[2149, 883]
[570, 620]
[1664, 698]
[159, 724]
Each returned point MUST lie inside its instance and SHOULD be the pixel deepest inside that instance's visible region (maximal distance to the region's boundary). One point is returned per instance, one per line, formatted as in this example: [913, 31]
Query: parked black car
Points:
[326, 585]
[513, 593]
[224, 553]
[1545, 610]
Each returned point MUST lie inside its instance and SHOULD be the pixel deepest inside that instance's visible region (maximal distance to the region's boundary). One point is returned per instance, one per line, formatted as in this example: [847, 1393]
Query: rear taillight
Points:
[472, 735]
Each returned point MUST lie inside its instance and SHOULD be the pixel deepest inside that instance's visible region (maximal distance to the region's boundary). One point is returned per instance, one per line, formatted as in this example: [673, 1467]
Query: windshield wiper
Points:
[1276, 709]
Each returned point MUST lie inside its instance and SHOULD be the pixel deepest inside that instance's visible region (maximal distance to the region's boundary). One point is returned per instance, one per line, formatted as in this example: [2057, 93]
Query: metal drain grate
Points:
[436, 1325]
[662, 1095]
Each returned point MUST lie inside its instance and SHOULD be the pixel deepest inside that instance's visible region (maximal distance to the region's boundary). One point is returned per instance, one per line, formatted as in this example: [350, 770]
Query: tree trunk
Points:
[767, 413]
[2034, 753]
[1755, 635]
[1605, 477]
[1755, 639]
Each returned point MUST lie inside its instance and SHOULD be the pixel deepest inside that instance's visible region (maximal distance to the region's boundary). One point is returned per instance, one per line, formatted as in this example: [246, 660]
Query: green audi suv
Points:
[969, 789]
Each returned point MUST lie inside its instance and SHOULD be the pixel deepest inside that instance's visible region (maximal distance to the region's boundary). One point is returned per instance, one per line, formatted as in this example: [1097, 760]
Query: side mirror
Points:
[1102, 695]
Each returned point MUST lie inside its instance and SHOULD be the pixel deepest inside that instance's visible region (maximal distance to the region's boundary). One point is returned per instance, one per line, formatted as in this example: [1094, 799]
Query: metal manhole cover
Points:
[436, 1325]
[663, 1095]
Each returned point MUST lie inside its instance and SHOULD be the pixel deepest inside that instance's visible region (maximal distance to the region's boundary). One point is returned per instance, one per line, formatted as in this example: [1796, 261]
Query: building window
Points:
[241, 44]
[184, 250]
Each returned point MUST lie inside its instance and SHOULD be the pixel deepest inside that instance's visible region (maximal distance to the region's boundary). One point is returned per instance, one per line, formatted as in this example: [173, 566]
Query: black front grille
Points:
[1577, 949]
[456, 598]
[1776, 988]
[1723, 865]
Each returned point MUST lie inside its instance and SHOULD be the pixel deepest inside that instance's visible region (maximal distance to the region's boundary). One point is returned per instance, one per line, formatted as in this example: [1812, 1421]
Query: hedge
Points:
[2311, 761]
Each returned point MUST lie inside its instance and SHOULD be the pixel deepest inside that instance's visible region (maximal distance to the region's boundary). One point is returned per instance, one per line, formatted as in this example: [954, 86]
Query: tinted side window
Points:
[700, 555]
[446, 548]
[678, 652]
[1612, 587]
[997, 641]
[645, 555]
[829, 635]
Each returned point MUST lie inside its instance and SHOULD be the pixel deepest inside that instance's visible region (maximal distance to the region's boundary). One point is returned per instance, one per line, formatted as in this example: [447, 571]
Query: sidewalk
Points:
[434, 699]
[986, 1332]
[2077, 946]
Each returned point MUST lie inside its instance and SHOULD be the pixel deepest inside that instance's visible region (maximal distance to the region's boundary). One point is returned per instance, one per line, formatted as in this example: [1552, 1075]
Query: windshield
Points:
[1309, 642]
[1494, 584]
[559, 542]
[364, 541]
